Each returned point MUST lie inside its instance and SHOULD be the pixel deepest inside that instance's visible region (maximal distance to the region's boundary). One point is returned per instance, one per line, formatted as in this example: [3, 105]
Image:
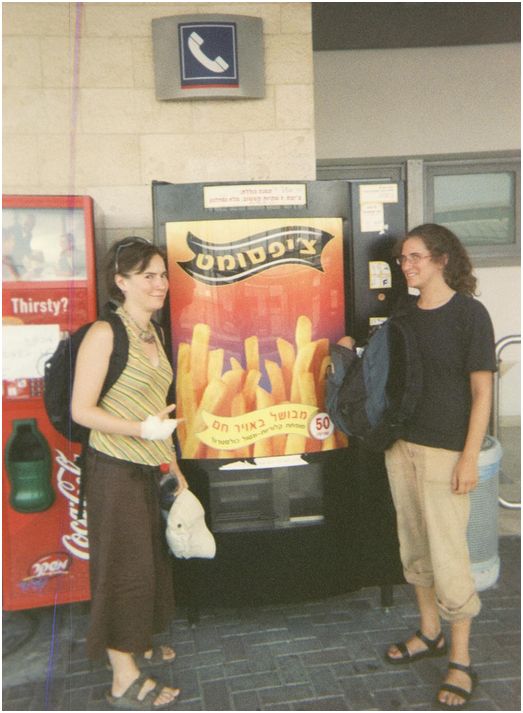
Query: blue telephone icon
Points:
[217, 65]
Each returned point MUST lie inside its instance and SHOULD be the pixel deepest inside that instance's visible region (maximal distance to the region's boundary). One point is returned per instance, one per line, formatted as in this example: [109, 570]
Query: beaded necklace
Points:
[145, 335]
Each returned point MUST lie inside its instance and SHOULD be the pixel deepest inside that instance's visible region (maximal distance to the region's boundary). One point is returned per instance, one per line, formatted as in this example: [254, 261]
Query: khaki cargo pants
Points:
[432, 526]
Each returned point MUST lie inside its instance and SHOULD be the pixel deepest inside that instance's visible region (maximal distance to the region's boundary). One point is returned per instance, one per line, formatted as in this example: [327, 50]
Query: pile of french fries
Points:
[202, 385]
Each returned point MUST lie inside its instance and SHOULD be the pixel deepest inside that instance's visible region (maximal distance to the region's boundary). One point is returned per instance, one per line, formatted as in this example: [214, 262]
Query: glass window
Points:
[478, 199]
[478, 208]
[477, 196]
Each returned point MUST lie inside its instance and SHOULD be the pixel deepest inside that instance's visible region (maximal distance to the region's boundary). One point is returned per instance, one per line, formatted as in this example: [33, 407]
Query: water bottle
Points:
[28, 463]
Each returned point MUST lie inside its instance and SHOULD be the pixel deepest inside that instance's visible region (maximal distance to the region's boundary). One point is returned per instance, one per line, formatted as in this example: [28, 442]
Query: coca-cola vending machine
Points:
[49, 290]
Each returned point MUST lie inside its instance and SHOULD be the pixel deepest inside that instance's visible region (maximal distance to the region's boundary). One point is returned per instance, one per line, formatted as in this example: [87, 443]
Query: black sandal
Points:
[129, 700]
[461, 692]
[158, 655]
[433, 649]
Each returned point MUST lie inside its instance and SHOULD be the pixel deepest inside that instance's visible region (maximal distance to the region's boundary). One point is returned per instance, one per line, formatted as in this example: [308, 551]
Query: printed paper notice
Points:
[372, 217]
[255, 194]
[26, 349]
[379, 193]
[379, 275]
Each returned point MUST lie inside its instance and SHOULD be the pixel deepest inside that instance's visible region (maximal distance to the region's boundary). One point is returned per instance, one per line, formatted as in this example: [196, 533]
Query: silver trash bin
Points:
[482, 533]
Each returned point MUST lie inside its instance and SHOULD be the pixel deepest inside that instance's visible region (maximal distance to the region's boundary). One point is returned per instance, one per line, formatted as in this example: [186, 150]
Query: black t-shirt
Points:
[454, 340]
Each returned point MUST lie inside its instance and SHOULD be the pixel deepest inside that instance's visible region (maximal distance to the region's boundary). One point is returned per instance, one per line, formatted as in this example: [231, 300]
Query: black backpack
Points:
[372, 395]
[59, 376]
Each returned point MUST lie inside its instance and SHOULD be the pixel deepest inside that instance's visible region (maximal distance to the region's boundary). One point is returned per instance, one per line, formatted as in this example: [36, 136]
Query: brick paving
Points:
[319, 655]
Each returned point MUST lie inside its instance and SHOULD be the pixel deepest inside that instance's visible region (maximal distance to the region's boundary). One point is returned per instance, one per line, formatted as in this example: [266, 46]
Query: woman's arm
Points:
[465, 476]
[174, 469]
[92, 364]
[347, 342]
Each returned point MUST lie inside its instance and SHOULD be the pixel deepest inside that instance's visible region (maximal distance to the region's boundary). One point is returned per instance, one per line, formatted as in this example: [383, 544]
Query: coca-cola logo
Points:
[68, 484]
[50, 565]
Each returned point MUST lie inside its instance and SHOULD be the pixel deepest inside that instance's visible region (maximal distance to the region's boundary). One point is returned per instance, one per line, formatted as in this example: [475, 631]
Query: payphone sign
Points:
[208, 55]
[257, 302]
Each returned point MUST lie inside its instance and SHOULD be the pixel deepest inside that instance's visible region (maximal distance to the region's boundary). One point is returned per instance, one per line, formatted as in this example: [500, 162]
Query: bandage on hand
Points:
[157, 429]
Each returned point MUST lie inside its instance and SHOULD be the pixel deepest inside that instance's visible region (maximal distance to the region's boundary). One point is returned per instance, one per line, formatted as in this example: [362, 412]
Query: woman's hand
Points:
[174, 470]
[159, 427]
[182, 483]
[347, 342]
[165, 412]
[465, 475]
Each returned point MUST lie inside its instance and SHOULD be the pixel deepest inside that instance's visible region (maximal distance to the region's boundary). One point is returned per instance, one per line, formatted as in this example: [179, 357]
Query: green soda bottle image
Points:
[28, 463]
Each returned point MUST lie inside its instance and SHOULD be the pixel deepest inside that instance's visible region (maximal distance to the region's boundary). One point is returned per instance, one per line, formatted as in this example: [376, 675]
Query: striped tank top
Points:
[140, 391]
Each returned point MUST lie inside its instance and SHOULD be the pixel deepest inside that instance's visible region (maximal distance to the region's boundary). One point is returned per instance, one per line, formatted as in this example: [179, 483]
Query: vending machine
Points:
[263, 277]
[49, 290]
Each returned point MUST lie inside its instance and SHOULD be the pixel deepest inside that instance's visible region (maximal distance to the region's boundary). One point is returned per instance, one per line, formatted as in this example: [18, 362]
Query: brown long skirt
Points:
[130, 568]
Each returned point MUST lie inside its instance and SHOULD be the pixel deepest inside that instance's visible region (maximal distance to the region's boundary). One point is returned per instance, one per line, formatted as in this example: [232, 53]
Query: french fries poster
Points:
[254, 304]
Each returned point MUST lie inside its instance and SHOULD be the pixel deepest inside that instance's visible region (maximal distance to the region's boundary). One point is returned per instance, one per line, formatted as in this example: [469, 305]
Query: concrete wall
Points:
[500, 292]
[80, 115]
[409, 102]
[441, 100]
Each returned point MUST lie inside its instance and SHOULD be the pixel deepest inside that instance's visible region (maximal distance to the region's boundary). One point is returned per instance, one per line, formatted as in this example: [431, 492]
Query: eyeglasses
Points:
[413, 258]
[129, 243]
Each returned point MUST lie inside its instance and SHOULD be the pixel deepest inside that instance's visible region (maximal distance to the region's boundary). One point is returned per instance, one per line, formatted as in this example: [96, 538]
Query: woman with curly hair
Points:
[434, 466]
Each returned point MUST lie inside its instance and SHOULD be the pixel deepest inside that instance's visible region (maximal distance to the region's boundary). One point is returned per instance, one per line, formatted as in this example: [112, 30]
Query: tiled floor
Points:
[319, 655]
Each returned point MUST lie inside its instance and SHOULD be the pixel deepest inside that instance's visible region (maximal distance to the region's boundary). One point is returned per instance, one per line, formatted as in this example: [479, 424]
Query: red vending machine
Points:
[49, 290]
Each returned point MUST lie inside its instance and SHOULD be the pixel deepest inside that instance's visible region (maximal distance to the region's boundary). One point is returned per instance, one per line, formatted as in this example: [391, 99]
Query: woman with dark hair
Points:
[130, 438]
[434, 466]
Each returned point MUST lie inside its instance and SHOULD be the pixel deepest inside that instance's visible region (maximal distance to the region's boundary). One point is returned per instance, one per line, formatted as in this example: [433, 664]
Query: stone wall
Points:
[80, 114]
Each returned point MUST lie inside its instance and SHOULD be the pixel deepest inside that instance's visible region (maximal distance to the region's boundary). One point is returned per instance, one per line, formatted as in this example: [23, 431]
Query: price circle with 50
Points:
[321, 426]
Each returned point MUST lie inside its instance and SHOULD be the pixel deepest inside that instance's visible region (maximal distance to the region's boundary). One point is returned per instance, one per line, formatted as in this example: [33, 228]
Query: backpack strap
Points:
[117, 363]
[120, 352]
[376, 370]
[413, 369]
[80, 462]
[342, 360]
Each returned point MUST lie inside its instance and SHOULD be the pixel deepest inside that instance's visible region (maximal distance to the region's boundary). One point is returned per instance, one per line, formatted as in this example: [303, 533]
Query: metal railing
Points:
[500, 346]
